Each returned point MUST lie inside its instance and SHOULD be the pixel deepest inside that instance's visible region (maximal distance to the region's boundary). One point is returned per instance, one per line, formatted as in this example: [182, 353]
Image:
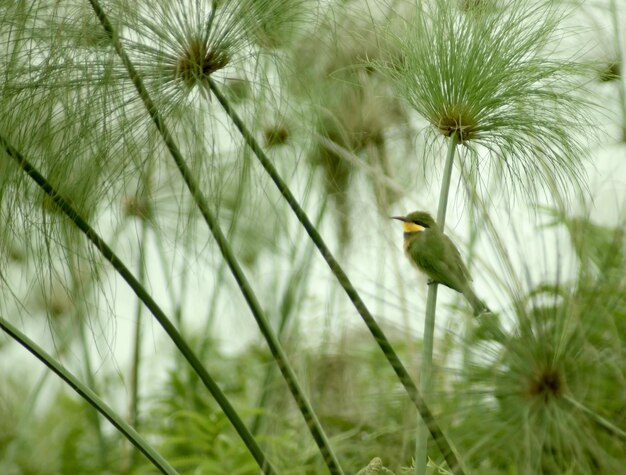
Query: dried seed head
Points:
[492, 78]
[611, 72]
[198, 61]
[459, 120]
[276, 135]
[546, 384]
[138, 207]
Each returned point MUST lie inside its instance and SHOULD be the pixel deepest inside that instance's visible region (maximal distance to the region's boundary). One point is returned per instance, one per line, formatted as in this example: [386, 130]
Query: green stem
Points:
[278, 353]
[474, 234]
[184, 277]
[445, 182]
[89, 376]
[618, 46]
[26, 412]
[289, 306]
[421, 446]
[133, 406]
[242, 189]
[344, 281]
[145, 297]
[92, 398]
[79, 316]
[598, 419]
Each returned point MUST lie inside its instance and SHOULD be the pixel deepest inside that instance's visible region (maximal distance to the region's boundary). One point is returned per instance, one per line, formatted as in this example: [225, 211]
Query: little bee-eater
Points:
[432, 252]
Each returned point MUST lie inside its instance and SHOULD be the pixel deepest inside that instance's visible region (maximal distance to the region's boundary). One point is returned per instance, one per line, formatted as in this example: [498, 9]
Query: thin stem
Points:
[89, 375]
[296, 283]
[474, 234]
[79, 316]
[145, 297]
[215, 300]
[620, 58]
[598, 419]
[278, 353]
[26, 412]
[166, 269]
[92, 398]
[421, 446]
[133, 405]
[344, 281]
[445, 182]
[182, 289]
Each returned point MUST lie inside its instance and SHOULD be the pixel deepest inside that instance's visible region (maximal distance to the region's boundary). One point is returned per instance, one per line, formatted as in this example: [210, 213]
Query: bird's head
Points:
[416, 222]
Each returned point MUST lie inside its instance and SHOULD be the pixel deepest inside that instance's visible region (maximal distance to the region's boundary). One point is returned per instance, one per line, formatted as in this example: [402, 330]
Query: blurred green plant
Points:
[555, 375]
[545, 399]
[482, 75]
[493, 77]
[349, 107]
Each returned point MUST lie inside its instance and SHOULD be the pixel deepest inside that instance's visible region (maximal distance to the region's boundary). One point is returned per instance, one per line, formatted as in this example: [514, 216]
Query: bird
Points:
[434, 253]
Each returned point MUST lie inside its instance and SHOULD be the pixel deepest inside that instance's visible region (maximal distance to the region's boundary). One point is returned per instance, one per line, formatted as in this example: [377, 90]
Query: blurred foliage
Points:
[56, 438]
[549, 398]
[508, 409]
[352, 111]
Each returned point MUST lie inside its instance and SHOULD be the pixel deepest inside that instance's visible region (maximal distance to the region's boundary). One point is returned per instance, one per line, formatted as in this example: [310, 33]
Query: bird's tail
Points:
[478, 305]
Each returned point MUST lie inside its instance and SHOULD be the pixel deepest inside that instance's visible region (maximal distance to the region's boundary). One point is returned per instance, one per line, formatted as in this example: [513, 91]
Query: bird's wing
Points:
[435, 255]
[456, 259]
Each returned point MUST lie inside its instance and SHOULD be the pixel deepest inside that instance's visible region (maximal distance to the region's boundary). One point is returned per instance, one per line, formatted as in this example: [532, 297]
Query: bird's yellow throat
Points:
[409, 227]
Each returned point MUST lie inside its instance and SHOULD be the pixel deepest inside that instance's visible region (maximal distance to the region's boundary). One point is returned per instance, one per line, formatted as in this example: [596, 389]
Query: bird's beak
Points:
[399, 218]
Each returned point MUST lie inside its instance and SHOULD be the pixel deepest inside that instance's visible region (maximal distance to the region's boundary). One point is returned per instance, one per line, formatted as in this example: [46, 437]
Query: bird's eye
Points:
[421, 223]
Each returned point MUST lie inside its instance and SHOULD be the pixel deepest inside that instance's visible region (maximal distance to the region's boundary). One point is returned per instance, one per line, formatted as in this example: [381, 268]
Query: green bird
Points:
[432, 252]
